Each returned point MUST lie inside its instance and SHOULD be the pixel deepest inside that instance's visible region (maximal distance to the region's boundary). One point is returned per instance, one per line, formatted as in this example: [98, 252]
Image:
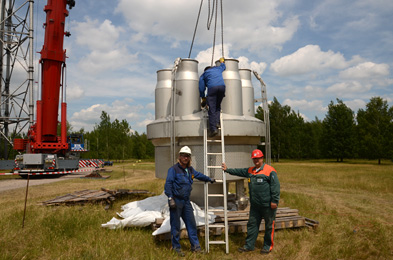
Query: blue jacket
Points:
[179, 181]
[211, 78]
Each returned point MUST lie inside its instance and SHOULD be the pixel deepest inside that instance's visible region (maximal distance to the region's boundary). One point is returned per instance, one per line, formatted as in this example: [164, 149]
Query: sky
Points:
[308, 53]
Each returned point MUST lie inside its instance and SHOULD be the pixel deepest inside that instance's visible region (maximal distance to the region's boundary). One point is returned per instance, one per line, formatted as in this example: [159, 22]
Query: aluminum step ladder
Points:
[212, 168]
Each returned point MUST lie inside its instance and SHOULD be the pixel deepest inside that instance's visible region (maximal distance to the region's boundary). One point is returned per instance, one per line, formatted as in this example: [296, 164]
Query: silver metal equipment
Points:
[185, 125]
[247, 92]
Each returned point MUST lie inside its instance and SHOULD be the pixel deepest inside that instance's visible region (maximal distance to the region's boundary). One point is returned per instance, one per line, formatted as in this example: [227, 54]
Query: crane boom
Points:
[46, 151]
[42, 135]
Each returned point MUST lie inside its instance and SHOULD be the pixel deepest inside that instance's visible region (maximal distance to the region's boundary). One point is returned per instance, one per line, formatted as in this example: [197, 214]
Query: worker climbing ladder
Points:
[212, 165]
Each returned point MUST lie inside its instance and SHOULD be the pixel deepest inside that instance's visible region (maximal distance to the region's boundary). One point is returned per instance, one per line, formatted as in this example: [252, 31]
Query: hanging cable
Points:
[214, 35]
[195, 30]
[222, 29]
[212, 12]
[210, 17]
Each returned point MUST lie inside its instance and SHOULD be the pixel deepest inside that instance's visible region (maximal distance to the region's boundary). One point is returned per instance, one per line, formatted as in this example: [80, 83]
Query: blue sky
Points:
[308, 52]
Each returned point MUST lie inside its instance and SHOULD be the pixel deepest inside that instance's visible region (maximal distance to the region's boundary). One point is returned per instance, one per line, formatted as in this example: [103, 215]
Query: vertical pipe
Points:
[39, 121]
[64, 123]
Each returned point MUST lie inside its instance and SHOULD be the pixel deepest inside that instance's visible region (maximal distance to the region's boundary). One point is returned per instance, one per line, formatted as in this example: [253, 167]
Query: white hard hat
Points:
[185, 149]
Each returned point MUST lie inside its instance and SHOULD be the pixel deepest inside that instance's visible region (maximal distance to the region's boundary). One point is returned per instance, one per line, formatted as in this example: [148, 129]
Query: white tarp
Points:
[143, 213]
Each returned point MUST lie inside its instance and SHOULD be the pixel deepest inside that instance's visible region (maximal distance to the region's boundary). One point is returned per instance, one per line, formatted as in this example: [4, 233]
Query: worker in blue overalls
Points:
[178, 188]
[214, 82]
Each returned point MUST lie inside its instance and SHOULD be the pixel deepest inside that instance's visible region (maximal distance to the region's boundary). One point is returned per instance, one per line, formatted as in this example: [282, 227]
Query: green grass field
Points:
[353, 201]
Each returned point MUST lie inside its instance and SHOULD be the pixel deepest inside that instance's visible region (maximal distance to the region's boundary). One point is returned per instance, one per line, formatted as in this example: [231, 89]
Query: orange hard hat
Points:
[256, 154]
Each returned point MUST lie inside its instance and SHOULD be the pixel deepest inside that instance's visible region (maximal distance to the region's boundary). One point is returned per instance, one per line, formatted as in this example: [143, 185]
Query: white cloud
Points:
[149, 118]
[204, 58]
[107, 52]
[124, 109]
[349, 89]
[96, 36]
[366, 70]
[304, 105]
[249, 25]
[97, 62]
[244, 63]
[355, 104]
[150, 106]
[75, 92]
[308, 59]
[313, 91]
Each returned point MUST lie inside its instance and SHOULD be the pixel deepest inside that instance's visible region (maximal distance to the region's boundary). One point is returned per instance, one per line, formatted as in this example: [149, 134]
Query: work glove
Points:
[172, 203]
[203, 102]
[212, 180]
[222, 60]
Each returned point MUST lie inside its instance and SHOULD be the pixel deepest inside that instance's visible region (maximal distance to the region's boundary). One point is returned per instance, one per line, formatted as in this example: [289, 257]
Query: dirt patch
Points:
[11, 184]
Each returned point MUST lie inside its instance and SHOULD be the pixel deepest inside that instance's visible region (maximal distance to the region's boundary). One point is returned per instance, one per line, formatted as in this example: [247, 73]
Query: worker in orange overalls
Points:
[264, 190]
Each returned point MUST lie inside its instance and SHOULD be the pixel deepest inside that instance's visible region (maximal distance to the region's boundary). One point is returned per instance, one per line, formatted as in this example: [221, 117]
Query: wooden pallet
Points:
[237, 221]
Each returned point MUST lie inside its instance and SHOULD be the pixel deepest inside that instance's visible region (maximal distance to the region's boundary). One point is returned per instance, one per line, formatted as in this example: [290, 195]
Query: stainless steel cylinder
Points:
[232, 103]
[247, 92]
[163, 93]
[187, 99]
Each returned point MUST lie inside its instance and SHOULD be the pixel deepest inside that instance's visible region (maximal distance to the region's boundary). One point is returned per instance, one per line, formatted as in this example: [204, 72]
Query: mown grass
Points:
[353, 201]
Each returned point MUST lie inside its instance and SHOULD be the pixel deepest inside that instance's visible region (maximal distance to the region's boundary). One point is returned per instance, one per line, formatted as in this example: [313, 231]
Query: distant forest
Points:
[342, 134]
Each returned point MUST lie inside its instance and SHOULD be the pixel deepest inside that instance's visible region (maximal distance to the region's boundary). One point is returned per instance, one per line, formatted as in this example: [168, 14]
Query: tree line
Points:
[341, 134]
[115, 141]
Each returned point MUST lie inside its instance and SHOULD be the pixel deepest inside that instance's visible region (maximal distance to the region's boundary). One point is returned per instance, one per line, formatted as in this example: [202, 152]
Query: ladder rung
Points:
[217, 242]
[215, 195]
[216, 225]
[214, 153]
[214, 141]
[214, 167]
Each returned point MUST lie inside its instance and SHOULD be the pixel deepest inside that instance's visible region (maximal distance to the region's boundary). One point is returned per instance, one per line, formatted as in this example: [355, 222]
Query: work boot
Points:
[179, 252]
[265, 251]
[197, 250]
[244, 249]
[214, 133]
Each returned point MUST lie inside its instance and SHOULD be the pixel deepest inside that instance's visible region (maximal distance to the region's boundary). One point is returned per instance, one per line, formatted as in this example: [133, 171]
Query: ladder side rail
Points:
[224, 183]
[265, 107]
[173, 111]
[206, 185]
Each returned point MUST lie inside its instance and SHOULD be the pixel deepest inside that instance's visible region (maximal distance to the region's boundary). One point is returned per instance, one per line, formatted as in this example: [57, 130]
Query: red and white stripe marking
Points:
[90, 163]
[47, 173]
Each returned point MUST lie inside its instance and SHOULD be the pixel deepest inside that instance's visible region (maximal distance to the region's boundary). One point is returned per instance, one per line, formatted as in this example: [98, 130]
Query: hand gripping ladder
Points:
[212, 167]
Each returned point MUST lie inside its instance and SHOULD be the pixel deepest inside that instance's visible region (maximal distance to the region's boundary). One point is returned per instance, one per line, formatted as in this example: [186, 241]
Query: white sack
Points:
[143, 213]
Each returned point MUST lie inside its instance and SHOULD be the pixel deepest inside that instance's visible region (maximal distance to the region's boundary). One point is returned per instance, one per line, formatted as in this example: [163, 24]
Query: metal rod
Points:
[27, 190]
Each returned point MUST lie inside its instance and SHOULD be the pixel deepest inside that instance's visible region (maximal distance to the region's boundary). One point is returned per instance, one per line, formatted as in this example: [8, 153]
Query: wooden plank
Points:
[79, 197]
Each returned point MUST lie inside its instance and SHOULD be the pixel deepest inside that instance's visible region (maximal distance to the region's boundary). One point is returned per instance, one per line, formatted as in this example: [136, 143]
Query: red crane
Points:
[42, 135]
